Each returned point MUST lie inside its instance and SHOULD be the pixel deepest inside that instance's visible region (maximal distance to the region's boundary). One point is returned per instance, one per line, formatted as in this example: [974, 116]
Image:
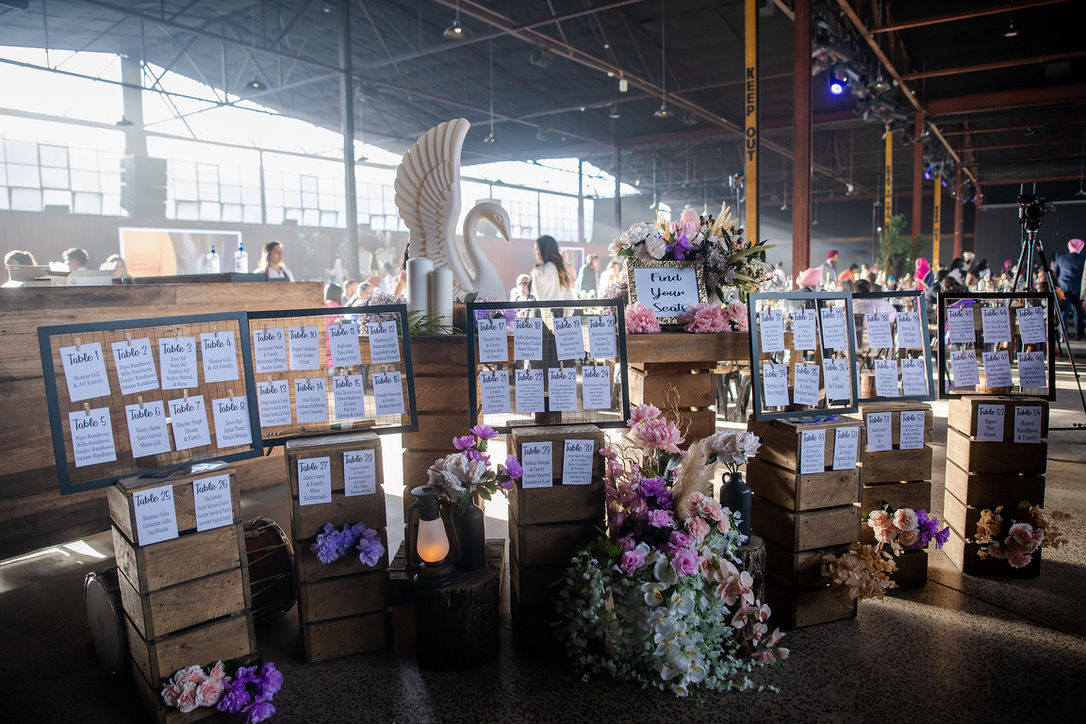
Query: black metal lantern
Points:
[429, 539]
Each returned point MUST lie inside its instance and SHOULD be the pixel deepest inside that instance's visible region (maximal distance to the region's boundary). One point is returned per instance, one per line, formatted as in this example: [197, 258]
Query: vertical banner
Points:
[750, 133]
[937, 218]
[888, 182]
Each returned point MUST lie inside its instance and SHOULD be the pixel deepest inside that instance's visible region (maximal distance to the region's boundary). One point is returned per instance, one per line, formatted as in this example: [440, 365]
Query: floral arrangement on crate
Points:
[864, 570]
[659, 598]
[332, 544]
[379, 298]
[463, 473]
[703, 318]
[1027, 532]
[249, 691]
[728, 260]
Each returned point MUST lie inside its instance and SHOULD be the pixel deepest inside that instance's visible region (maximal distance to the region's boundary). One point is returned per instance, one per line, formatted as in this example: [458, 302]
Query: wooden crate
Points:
[122, 510]
[995, 457]
[912, 569]
[323, 640]
[352, 595]
[550, 544]
[534, 587]
[557, 436]
[799, 609]
[988, 490]
[672, 388]
[167, 610]
[915, 494]
[332, 447]
[807, 530]
[963, 554]
[892, 466]
[797, 491]
[693, 424]
[558, 504]
[895, 419]
[437, 430]
[160, 565]
[219, 640]
[311, 569]
[781, 439]
[962, 413]
[798, 571]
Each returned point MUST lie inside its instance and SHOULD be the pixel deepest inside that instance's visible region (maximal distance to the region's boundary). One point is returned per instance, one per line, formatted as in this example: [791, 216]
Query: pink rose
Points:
[685, 561]
[208, 693]
[626, 543]
[678, 539]
[909, 538]
[643, 412]
[632, 561]
[186, 700]
[905, 519]
[697, 528]
[660, 518]
[1018, 559]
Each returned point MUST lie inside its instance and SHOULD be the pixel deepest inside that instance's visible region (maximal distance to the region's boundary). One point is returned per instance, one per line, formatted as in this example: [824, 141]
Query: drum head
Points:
[106, 620]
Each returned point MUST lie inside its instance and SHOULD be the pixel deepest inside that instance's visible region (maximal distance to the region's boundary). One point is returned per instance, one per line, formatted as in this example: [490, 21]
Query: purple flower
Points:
[632, 560]
[483, 431]
[679, 247]
[271, 681]
[370, 548]
[660, 518]
[464, 443]
[259, 711]
[329, 545]
[664, 499]
[685, 561]
[235, 698]
[512, 467]
[678, 540]
[652, 486]
[506, 484]
[476, 455]
[942, 536]
[626, 543]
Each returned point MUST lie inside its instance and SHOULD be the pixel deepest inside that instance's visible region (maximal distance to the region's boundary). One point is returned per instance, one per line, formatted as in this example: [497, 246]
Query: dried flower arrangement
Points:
[1029, 530]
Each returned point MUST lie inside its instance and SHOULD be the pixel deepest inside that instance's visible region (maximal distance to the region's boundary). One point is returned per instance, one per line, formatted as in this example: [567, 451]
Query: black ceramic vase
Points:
[735, 495]
[470, 521]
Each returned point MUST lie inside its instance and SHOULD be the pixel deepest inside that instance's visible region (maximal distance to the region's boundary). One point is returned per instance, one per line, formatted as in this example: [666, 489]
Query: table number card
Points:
[774, 385]
[961, 326]
[911, 429]
[836, 371]
[995, 325]
[879, 335]
[384, 341]
[805, 391]
[812, 451]
[997, 369]
[219, 355]
[577, 462]
[568, 338]
[314, 481]
[1031, 325]
[270, 350]
[886, 378]
[189, 421]
[343, 346]
[804, 329]
[231, 421]
[771, 330]
[1031, 369]
[348, 396]
[914, 377]
[846, 444]
[147, 431]
[963, 367]
[879, 431]
[177, 361]
[156, 517]
[359, 472]
[562, 384]
[388, 393]
[494, 390]
[493, 342]
[536, 460]
[990, 421]
[528, 338]
[311, 399]
[602, 337]
[84, 371]
[211, 498]
[529, 391]
[135, 365]
[92, 436]
[910, 335]
[273, 403]
[596, 387]
[834, 331]
[1027, 424]
[305, 352]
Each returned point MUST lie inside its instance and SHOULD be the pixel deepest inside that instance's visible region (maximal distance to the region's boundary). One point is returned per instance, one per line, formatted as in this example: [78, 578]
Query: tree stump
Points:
[753, 557]
[456, 626]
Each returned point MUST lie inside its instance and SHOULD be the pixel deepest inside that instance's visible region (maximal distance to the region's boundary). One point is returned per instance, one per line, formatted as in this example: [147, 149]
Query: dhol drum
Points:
[105, 617]
[272, 578]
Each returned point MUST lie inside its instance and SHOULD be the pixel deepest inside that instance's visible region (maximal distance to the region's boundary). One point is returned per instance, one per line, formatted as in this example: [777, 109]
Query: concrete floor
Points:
[961, 649]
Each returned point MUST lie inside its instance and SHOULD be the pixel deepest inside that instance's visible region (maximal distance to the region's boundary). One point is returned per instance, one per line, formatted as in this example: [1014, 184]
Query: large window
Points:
[35, 175]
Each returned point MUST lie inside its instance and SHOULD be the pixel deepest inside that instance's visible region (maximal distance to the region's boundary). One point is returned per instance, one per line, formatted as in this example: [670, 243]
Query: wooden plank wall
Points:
[33, 513]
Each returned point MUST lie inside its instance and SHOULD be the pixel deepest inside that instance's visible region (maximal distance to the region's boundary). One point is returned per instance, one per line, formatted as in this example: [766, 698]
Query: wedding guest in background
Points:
[1068, 272]
[587, 275]
[115, 263]
[76, 258]
[809, 280]
[17, 257]
[829, 268]
[271, 263]
[522, 292]
[349, 290]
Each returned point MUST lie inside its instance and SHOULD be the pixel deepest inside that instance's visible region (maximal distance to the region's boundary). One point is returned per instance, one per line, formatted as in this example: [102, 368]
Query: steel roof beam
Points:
[994, 65]
[963, 15]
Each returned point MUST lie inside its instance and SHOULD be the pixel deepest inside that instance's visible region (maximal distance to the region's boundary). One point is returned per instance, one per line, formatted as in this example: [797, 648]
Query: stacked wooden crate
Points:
[342, 606]
[186, 596]
[548, 525]
[899, 476]
[804, 511]
[992, 460]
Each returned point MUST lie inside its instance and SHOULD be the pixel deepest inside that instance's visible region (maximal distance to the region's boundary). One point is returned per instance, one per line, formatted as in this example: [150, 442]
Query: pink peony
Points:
[905, 519]
[170, 692]
[724, 525]
[685, 561]
[879, 518]
[884, 533]
[208, 693]
[192, 674]
[632, 561]
[186, 700]
[909, 538]
[697, 528]
[658, 434]
[736, 312]
[641, 320]
[704, 318]
[709, 509]
[643, 412]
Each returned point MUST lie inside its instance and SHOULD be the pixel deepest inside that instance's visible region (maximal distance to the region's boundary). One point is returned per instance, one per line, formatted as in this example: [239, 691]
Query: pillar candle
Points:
[441, 295]
[418, 284]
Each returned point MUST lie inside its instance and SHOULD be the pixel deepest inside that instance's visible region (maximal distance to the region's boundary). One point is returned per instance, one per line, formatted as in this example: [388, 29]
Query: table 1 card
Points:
[836, 371]
[156, 517]
[528, 338]
[1031, 369]
[314, 481]
[135, 365]
[384, 340]
[805, 391]
[602, 337]
[1031, 325]
[343, 346]
[214, 506]
[311, 399]
[493, 342]
[774, 385]
[177, 361]
[577, 460]
[995, 325]
[804, 329]
[84, 371]
[568, 338]
[189, 421]
[997, 369]
[834, 331]
[92, 436]
[990, 421]
[536, 460]
[771, 330]
[273, 402]
[305, 352]
[360, 472]
[219, 355]
[562, 385]
[846, 444]
[910, 335]
[961, 325]
[596, 387]
[812, 451]
[494, 391]
[231, 421]
[879, 335]
[147, 432]
[963, 367]
[270, 350]
[348, 396]
[886, 378]
[388, 393]
[914, 377]
[529, 391]
[879, 431]
[1027, 424]
[911, 429]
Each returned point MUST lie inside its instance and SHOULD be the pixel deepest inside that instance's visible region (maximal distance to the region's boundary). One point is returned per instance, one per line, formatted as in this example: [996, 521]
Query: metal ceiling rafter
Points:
[963, 15]
[994, 65]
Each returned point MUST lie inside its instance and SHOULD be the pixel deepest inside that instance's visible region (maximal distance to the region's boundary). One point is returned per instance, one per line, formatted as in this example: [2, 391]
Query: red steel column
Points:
[918, 173]
[958, 213]
[802, 29]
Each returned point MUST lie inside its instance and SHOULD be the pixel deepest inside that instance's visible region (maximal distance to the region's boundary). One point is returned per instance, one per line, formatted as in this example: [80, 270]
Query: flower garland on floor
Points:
[659, 598]
[468, 472]
[332, 544]
[1030, 530]
[249, 691]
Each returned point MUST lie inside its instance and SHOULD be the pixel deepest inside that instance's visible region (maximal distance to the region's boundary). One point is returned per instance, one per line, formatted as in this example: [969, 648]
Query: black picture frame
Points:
[922, 307]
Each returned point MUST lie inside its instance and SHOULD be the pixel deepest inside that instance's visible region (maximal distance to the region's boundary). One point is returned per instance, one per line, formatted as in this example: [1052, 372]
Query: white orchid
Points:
[653, 593]
[664, 572]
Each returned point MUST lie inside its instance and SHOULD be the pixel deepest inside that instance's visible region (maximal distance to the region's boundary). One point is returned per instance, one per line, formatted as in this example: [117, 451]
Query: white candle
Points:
[418, 281]
[441, 295]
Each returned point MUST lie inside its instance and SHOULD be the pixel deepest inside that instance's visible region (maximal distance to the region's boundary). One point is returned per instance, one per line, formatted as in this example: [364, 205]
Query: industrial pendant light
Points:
[1081, 190]
[1012, 31]
[490, 66]
[662, 111]
[456, 31]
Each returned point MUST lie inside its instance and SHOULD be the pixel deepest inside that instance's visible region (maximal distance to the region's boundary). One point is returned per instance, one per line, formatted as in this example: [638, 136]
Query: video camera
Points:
[1031, 208]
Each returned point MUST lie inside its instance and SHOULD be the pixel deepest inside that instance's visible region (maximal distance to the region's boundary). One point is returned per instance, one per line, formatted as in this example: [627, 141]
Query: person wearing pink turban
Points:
[923, 275]
[1068, 273]
[809, 280]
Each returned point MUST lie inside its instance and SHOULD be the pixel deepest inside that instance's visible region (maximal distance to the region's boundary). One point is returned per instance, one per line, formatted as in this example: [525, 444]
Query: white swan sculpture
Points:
[428, 199]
